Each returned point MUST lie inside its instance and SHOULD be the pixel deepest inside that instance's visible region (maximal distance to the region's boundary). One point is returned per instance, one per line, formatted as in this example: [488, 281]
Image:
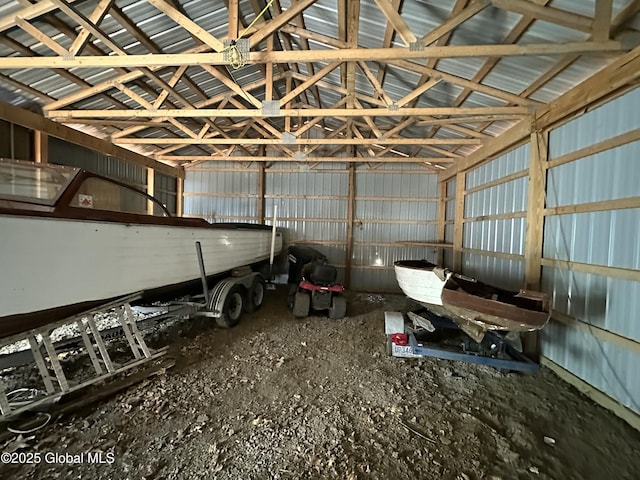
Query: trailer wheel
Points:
[338, 307]
[301, 304]
[255, 295]
[232, 308]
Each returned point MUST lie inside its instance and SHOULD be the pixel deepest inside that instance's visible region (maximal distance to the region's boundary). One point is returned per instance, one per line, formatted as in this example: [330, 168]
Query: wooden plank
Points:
[504, 142]
[96, 16]
[442, 213]
[458, 222]
[600, 206]
[594, 394]
[300, 141]
[40, 147]
[399, 159]
[150, 188]
[41, 37]
[180, 197]
[498, 181]
[40, 8]
[261, 190]
[489, 253]
[534, 232]
[273, 25]
[396, 21]
[188, 24]
[390, 55]
[37, 122]
[615, 272]
[445, 28]
[613, 142]
[232, 30]
[498, 216]
[548, 14]
[351, 202]
[535, 207]
[308, 83]
[614, 338]
[308, 112]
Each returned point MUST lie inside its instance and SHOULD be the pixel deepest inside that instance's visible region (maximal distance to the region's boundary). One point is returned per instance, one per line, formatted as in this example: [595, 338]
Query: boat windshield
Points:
[33, 182]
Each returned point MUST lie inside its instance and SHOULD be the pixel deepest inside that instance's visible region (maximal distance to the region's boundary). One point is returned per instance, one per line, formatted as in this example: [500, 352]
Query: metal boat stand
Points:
[55, 381]
[443, 338]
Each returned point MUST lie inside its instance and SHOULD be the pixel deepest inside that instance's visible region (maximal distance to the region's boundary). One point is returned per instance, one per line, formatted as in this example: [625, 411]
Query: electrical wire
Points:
[236, 58]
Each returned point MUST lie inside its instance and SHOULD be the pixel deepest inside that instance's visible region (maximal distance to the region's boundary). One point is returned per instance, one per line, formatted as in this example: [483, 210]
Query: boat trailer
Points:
[434, 336]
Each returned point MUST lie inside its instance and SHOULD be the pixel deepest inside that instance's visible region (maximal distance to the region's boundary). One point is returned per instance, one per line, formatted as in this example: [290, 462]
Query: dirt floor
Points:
[277, 397]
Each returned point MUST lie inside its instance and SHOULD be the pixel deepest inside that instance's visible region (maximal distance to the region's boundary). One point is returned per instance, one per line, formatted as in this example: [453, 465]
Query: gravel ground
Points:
[282, 398]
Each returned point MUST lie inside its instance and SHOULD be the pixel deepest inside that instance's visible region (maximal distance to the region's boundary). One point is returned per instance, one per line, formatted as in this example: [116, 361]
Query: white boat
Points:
[72, 240]
[476, 307]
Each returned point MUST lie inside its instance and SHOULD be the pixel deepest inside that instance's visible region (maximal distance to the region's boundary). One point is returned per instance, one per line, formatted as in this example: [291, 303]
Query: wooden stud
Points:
[442, 210]
[458, 227]
[40, 147]
[180, 197]
[350, 220]
[150, 189]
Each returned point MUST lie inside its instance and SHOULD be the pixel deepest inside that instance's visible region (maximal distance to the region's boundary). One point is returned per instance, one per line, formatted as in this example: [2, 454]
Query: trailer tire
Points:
[301, 304]
[255, 295]
[338, 308]
[232, 308]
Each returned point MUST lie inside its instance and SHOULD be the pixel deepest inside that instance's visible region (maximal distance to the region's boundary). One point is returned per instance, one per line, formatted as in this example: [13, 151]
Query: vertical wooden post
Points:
[40, 147]
[351, 197]
[535, 226]
[602, 20]
[261, 179]
[268, 86]
[287, 120]
[535, 207]
[457, 225]
[233, 19]
[442, 208]
[179, 197]
[151, 182]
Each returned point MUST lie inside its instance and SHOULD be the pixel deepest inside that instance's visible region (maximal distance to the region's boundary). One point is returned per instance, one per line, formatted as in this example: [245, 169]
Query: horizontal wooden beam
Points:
[301, 141]
[204, 158]
[601, 206]
[295, 56]
[604, 270]
[37, 122]
[292, 112]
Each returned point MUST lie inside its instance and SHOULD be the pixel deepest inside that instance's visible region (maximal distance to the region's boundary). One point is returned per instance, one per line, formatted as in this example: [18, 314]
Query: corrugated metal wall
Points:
[65, 153]
[597, 236]
[16, 142]
[165, 189]
[495, 219]
[312, 207]
[390, 205]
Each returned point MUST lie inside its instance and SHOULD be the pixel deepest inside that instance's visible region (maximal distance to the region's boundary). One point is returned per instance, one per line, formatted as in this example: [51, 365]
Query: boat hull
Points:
[51, 263]
[474, 306]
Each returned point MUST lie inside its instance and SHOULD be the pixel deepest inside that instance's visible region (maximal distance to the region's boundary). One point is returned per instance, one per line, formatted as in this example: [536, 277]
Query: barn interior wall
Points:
[390, 204]
[590, 263]
[16, 141]
[591, 256]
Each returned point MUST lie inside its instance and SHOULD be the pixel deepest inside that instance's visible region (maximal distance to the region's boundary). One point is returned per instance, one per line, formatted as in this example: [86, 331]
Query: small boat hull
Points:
[474, 306]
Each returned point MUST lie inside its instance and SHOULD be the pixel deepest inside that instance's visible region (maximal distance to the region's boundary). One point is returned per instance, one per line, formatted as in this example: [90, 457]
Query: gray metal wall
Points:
[390, 205]
[165, 189]
[65, 153]
[608, 238]
[16, 142]
[495, 220]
